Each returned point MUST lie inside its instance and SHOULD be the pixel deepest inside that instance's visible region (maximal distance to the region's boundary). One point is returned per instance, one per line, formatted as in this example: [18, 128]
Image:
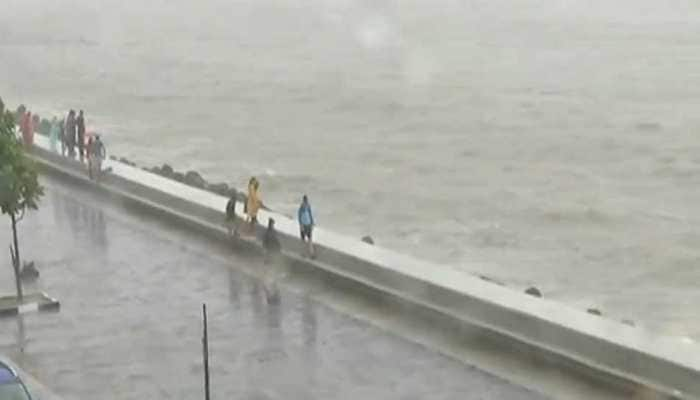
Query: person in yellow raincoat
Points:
[253, 203]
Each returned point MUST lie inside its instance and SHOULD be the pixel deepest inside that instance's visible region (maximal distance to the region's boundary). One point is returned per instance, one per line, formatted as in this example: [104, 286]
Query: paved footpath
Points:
[131, 290]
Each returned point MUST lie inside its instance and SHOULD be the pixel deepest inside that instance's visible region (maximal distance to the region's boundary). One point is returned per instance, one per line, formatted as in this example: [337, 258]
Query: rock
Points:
[491, 280]
[219, 188]
[648, 126]
[594, 311]
[167, 171]
[126, 161]
[193, 178]
[533, 291]
[178, 176]
[113, 158]
[368, 239]
[154, 170]
[628, 322]
[29, 271]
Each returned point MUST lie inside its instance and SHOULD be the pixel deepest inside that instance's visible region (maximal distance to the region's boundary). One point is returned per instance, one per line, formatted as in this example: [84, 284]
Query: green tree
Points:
[19, 185]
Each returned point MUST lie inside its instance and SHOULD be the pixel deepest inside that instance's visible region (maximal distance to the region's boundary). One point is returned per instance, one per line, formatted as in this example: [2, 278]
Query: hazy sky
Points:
[103, 19]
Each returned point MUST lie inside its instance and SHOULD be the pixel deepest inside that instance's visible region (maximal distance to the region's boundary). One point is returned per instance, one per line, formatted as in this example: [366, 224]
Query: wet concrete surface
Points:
[131, 290]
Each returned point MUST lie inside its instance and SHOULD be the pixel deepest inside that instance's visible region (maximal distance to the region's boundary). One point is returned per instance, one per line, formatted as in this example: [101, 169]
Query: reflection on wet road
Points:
[129, 327]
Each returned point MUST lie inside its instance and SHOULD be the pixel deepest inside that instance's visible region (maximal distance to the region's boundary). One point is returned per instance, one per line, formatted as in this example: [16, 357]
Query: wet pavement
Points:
[131, 290]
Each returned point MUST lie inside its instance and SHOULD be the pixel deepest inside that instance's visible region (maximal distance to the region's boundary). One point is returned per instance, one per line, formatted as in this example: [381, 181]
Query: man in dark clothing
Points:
[231, 215]
[96, 155]
[273, 249]
[271, 242]
[62, 138]
[80, 124]
[70, 134]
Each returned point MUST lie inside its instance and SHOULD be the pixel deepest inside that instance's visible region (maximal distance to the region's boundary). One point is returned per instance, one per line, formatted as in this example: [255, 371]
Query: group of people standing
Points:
[270, 241]
[71, 134]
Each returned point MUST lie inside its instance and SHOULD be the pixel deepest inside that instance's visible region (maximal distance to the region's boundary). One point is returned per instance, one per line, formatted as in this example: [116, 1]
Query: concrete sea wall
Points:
[604, 349]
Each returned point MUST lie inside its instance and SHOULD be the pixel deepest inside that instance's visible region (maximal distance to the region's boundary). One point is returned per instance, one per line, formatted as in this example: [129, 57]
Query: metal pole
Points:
[205, 353]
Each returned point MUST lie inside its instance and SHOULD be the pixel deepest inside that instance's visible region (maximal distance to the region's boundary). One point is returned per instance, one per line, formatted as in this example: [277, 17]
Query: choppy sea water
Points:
[546, 143]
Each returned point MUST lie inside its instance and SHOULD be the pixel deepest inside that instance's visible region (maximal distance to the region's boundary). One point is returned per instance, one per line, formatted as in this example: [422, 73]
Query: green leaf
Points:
[19, 181]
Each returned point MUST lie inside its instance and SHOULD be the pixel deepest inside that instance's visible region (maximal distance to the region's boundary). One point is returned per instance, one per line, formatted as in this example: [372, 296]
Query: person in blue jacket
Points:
[306, 225]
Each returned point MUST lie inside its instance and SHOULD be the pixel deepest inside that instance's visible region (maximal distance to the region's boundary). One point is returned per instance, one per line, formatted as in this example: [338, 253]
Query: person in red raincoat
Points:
[27, 129]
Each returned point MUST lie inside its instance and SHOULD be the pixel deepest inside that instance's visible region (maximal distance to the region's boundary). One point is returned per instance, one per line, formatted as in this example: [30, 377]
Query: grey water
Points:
[539, 143]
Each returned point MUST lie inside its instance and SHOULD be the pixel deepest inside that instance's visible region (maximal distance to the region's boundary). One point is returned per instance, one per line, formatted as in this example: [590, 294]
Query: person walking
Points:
[80, 125]
[69, 134]
[273, 252]
[253, 203]
[90, 155]
[97, 154]
[306, 225]
[271, 243]
[231, 223]
[54, 134]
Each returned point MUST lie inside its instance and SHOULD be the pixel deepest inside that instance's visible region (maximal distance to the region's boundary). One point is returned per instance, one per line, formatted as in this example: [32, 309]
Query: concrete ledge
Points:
[33, 302]
[598, 347]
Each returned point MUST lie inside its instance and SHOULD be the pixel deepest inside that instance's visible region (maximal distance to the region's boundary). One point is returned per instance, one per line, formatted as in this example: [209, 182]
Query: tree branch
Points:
[21, 216]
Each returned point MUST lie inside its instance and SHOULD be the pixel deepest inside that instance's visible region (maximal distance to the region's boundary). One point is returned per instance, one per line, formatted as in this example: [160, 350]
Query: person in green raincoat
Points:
[54, 134]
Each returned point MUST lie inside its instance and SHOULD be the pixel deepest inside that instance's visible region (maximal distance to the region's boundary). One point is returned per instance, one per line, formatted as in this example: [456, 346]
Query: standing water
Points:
[549, 143]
